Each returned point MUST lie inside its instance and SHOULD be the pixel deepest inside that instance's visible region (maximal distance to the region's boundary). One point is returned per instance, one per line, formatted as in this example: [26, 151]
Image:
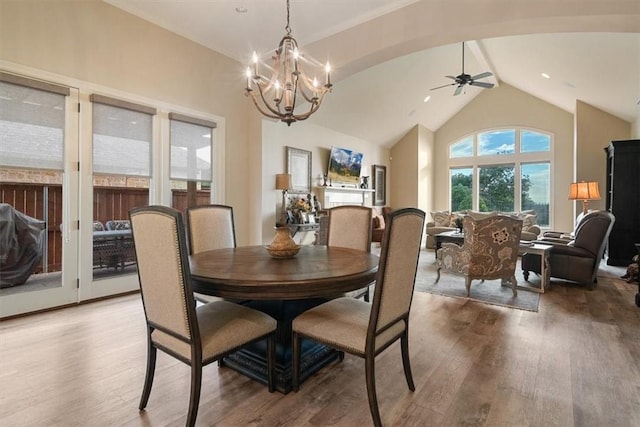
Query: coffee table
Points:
[448, 237]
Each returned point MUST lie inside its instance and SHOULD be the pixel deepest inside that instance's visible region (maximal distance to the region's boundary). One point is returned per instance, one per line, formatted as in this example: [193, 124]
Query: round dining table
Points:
[282, 288]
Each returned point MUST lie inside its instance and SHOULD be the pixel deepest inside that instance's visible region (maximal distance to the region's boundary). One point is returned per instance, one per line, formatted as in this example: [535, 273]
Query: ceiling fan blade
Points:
[440, 87]
[450, 77]
[482, 84]
[481, 75]
[458, 90]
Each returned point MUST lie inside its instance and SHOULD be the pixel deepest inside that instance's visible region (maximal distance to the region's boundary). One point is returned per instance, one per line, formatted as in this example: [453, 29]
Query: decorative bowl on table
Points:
[289, 252]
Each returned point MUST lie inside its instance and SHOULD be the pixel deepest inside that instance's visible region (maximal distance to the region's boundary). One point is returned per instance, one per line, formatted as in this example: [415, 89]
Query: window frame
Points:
[475, 162]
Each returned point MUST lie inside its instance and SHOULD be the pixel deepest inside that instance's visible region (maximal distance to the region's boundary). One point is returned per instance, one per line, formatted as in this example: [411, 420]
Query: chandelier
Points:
[277, 96]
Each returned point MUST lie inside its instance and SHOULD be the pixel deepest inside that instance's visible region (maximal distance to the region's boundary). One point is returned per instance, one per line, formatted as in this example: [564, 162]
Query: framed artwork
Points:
[299, 167]
[379, 174]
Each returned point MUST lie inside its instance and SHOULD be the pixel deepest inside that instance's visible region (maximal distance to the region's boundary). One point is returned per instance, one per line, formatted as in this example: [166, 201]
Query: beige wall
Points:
[276, 136]
[594, 130]
[508, 106]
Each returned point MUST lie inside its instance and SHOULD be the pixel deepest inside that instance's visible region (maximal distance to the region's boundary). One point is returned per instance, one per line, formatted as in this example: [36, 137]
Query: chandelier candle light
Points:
[276, 97]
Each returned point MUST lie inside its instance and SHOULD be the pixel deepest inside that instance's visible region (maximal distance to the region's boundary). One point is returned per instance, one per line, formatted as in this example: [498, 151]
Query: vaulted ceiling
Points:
[388, 54]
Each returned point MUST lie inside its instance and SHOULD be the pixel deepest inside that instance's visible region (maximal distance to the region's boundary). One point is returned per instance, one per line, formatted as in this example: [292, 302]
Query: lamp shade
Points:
[283, 181]
[584, 191]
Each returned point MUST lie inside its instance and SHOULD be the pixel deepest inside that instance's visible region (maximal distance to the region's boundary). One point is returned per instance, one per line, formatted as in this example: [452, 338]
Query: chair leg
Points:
[404, 345]
[148, 380]
[467, 284]
[295, 361]
[366, 295]
[271, 361]
[194, 399]
[526, 275]
[437, 275]
[370, 375]
[514, 285]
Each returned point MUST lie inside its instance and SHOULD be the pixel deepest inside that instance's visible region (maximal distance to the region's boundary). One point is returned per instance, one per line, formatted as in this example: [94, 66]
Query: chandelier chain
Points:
[288, 27]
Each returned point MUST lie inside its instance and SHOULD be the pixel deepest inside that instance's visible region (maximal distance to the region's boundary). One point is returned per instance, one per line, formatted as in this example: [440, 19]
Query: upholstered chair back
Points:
[163, 270]
[350, 227]
[210, 227]
[592, 232]
[397, 269]
[492, 246]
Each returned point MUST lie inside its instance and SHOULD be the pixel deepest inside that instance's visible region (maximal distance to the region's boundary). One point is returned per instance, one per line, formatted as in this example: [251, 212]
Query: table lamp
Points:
[283, 182]
[584, 191]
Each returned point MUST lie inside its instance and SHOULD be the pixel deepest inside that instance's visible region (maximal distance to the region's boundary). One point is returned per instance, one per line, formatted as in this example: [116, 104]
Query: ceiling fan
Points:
[465, 79]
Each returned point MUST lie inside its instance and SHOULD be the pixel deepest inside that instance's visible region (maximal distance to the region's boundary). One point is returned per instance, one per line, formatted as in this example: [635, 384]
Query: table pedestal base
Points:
[251, 360]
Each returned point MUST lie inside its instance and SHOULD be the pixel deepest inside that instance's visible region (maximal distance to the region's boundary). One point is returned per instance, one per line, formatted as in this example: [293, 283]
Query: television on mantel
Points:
[344, 166]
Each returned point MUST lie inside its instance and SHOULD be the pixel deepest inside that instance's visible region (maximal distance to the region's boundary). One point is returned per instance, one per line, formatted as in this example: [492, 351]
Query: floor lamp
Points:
[584, 191]
[283, 182]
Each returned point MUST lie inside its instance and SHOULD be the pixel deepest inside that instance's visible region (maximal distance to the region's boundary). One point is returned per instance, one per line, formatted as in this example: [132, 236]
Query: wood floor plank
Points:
[576, 362]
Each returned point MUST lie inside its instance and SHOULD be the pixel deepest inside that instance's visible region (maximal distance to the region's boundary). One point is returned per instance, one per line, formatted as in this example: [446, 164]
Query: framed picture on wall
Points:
[299, 167]
[379, 174]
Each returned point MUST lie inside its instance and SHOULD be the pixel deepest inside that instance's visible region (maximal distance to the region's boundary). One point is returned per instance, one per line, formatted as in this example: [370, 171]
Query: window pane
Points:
[190, 151]
[121, 141]
[31, 127]
[496, 188]
[536, 188]
[497, 142]
[462, 148]
[461, 189]
[534, 141]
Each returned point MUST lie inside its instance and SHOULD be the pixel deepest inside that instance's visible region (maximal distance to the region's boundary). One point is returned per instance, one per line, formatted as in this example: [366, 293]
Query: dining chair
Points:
[366, 329]
[489, 251]
[210, 227]
[195, 336]
[349, 226]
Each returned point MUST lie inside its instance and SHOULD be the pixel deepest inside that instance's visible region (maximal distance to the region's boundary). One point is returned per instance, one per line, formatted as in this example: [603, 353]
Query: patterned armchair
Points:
[490, 251]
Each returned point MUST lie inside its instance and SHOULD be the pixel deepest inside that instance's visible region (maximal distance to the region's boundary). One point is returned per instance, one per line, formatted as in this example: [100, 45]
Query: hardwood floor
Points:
[574, 363]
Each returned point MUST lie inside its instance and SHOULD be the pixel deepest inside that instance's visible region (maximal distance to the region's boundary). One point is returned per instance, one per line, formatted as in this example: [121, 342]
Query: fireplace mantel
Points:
[330, 197]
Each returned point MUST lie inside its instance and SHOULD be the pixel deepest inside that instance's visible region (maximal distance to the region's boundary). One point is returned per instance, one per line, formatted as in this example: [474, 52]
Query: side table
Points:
[543, 252]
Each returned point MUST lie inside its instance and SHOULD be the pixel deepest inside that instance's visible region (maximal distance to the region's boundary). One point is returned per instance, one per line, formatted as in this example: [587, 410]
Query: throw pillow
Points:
[441, 218]
[528, 221]
[480, 215]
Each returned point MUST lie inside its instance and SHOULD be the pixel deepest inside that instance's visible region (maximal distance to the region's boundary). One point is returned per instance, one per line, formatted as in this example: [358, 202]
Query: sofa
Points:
[445, 221]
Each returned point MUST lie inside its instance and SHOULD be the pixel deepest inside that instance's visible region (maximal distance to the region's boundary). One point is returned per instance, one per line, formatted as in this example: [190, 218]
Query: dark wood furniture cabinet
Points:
[623, 199]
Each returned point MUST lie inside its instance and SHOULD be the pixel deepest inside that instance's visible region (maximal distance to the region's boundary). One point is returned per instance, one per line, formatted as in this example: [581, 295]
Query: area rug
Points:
[487, 292]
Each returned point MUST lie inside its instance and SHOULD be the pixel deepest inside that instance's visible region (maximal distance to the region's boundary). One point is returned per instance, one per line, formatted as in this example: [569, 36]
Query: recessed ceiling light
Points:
[545, 75]
[427, 98]
[569, 84]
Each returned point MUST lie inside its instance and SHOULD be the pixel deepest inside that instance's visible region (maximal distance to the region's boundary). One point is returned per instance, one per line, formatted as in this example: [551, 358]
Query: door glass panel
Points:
[32, 128]
[190, 164]
[122, 167]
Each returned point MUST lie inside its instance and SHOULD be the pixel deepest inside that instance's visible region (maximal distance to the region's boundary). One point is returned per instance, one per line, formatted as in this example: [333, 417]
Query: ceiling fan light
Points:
[545, 75]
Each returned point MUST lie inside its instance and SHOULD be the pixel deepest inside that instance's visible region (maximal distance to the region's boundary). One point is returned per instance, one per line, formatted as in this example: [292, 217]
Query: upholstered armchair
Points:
[490, 251]
[578, 259]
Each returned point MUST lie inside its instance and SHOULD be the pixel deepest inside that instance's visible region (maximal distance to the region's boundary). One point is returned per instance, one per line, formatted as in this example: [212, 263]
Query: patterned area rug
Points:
[488, 292]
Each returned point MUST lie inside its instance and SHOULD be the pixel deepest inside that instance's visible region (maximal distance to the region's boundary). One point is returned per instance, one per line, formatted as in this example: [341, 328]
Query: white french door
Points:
[39, 150]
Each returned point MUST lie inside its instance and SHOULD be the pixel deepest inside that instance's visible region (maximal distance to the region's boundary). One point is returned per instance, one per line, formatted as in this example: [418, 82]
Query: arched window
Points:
[506, 169]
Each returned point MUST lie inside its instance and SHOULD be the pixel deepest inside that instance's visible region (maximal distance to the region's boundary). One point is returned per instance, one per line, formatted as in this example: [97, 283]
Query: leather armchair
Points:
[576, 260]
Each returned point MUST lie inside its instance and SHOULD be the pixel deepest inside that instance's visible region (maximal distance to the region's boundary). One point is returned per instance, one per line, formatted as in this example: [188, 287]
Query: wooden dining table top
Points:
[249, 272]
